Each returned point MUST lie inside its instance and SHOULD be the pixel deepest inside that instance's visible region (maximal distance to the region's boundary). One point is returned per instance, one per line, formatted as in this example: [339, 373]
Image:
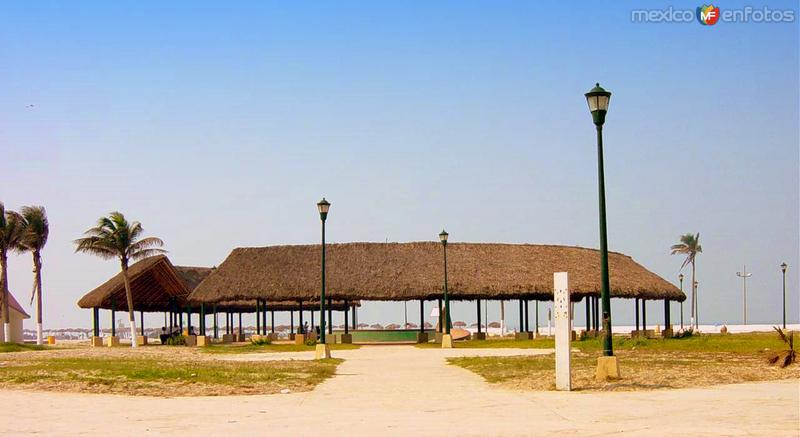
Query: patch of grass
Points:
[16, 347]
[268, 348]
[160, 377]
[539, 343]
[644, 364]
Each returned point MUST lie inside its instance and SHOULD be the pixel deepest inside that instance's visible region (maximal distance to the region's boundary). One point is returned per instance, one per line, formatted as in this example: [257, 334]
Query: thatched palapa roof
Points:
[410, 271]
[155, 284]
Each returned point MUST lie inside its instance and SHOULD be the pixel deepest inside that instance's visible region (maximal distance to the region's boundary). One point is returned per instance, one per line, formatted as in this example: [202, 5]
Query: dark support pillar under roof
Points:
[301, 319]
[96, 321]
[666, 314]
[291, 321]
[527, 320]
[536, 318]
[141, 322]
[644, 315]
[258, 316]
[346, 324]
[588, 312]
[355, 326]
[330, 318]
[440, 328]
[216, 327]
[113, 318]
[478, 301]
[240, 323]
[264, 317]
[421, 315]
[521, 317]
[272, 320]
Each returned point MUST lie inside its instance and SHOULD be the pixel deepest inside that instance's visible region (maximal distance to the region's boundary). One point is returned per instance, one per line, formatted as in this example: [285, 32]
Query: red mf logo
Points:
[707, 15]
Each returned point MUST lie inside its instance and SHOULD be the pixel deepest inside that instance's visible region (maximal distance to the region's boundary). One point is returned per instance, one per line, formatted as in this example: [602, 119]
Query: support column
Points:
[355, 325]
[441, 325]
[272, 320]
[421, 315]
[258, 316]
[113, 319]
[141, 321]
[536, 318]
[527, 324]
[291, 321]
[216, 326]
[521, 317]
[346, 325]
[666, 315]
[189, 319]
[644, 316]
[330, 317]
[588, 311]
[264, 316]
[301, 319]
[96, 321]
[203, 319]
[478, 301]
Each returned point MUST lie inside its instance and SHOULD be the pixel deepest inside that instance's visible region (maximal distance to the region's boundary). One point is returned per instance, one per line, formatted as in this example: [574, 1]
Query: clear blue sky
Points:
[220, 125]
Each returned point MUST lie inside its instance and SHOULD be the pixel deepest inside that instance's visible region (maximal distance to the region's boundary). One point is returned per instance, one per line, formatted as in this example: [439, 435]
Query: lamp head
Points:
[323, 206]
[598, 99]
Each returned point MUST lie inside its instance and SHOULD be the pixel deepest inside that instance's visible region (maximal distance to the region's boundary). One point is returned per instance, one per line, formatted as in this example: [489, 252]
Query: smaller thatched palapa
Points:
[156, 285]
[410, 271]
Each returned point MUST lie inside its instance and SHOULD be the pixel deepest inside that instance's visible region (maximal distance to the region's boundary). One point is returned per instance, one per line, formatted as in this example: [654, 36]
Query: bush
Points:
[311, 341]
[176, 340]
[261, 341]
[686, 333]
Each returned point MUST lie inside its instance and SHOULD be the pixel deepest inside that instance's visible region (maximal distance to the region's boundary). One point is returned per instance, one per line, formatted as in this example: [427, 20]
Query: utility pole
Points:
[744, 275]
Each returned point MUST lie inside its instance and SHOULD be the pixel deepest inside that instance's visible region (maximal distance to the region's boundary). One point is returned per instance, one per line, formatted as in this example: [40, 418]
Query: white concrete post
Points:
[563, 327]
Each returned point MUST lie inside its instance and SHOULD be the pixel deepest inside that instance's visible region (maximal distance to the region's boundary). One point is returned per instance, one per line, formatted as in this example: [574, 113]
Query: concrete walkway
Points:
[402, 390]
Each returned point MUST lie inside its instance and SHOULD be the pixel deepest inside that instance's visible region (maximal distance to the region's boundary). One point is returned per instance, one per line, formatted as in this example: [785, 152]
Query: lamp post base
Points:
[447, 341]
[322, 351]
[607, 368]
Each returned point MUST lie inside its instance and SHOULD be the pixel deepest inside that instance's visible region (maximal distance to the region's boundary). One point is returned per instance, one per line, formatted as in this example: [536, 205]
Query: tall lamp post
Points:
[744, 275]
[598, 99]
[680, 278]
[783, 269]
[447, 340]
[322, 350]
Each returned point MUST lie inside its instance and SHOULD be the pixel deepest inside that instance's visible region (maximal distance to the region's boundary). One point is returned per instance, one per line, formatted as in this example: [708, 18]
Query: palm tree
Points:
[690, 246]
[115, 238]
[12, 227]
[34, 239]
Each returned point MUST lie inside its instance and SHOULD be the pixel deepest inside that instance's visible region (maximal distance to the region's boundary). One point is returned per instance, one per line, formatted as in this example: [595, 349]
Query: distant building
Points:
[17, 315]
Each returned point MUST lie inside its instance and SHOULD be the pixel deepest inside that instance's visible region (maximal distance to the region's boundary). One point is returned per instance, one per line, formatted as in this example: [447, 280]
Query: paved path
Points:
[400, 390]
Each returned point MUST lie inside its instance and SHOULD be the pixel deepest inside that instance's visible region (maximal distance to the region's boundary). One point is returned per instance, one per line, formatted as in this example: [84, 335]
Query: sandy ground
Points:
[401, 390]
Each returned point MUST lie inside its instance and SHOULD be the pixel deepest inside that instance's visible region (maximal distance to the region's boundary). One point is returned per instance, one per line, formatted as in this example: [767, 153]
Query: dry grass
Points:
[156, 371]
[645, 364]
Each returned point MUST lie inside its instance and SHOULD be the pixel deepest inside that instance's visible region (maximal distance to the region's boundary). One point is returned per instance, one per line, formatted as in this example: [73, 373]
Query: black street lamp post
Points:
[323, 206]
[598, 99]
[783, 269]
[443, 238]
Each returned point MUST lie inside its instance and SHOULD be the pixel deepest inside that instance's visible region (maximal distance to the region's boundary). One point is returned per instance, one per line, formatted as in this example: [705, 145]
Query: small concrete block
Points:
[523, 336]
[422, 337]
[112, 341]
[322, 351]
[203, 340]
[299, 339]
[292, 337]
[573, 336]
[447, 341]
[667, 333]
[227, 338]
[191, 340]
[480, 336]
[437, 338]
[607, 368]
[97, 341]
[240, 337]
[345, 339]
[141, 340]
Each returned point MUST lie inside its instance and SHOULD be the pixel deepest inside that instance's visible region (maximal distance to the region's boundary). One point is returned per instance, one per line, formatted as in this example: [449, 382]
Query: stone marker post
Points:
[562, 313]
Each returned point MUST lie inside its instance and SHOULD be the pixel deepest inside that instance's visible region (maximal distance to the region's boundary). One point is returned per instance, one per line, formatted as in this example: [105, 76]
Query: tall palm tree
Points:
[34, 239]
[116, 238]
[12, 227]
[690, 246]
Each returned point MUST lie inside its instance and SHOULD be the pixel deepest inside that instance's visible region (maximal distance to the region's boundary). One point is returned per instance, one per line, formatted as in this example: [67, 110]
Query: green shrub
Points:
[311, 341]
[176, 340]
[686, 333]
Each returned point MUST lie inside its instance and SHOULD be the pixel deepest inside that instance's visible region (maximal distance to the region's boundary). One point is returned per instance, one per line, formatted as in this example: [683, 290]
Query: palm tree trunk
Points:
[37, 267]
[4, 303]
[129, 297]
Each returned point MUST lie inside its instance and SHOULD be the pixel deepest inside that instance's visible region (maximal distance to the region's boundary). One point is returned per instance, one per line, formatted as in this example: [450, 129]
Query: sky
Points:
[220, 125]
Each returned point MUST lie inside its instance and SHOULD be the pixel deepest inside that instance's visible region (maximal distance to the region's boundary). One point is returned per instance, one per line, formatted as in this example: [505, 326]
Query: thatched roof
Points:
[410, 271]
[154, 284]
[249, 306]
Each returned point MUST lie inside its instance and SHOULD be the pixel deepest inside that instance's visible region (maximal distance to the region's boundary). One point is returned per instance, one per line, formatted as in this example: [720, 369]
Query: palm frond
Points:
[37, 227]
[146, 253]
